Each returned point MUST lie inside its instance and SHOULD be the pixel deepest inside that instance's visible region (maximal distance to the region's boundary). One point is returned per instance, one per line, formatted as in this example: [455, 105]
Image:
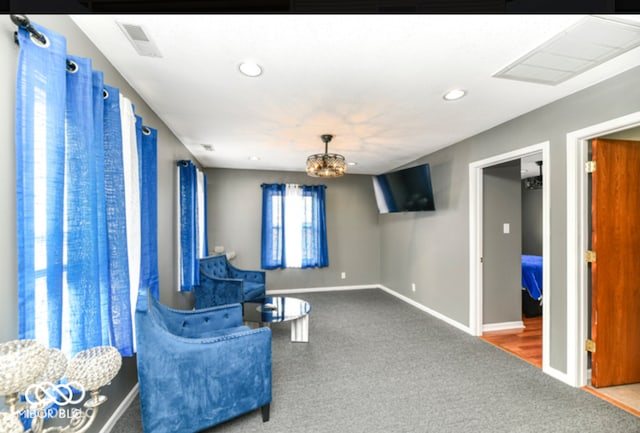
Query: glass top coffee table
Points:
[276, 309]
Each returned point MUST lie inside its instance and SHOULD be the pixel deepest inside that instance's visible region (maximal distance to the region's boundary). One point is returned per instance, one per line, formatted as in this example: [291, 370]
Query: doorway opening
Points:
[517, 275]
[611, 287]
[578, 272]
[478, 325]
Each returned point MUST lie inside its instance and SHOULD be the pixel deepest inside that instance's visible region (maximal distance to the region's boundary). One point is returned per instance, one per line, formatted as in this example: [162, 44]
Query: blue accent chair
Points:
[199, 368]
[222, 283]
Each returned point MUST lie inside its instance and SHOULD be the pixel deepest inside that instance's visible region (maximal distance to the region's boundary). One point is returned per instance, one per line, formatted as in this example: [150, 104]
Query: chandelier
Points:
[326, 164]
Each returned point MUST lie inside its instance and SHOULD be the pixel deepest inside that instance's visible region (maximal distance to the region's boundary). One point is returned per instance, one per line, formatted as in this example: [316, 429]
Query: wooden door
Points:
[615, 238]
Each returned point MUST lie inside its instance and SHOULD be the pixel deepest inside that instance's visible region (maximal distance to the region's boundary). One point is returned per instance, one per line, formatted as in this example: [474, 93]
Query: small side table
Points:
[277, 309]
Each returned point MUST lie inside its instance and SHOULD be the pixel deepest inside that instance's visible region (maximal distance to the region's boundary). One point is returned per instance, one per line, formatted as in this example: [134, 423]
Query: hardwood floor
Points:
[624, 396]
[524, 343]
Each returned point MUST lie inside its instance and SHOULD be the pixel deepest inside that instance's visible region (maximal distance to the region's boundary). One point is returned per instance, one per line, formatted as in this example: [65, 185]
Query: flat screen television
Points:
[407, 190]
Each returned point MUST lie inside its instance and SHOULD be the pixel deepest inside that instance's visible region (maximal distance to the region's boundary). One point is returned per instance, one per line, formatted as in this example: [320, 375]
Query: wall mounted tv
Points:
[406, 190]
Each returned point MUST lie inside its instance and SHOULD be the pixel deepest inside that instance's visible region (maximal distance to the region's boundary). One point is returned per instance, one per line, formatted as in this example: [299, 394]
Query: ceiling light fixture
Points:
[534, 182]
[326, 164]
[250, 69]
[454, 95]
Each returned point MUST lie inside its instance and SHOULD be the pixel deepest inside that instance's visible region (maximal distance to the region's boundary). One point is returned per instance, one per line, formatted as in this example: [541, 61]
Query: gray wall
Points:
[169, 150]
[235, 214]
[8, 259]
[430, 249]
[531, 221]
[442, 256]
[501, 252]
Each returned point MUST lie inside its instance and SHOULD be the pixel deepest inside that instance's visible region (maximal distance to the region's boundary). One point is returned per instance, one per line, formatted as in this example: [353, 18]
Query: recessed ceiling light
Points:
[250, 69]
[453, 95]
[352, 163]
[254, 158]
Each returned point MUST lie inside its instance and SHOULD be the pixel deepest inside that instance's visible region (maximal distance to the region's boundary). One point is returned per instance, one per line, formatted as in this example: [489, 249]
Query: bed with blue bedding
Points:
[532, 285]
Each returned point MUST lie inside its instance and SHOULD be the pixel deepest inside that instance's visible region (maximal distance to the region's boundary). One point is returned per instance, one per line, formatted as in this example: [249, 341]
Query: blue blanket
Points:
[532, 275]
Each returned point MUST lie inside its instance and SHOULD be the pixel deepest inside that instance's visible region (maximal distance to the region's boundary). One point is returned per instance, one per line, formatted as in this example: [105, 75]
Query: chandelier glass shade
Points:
[326, 164]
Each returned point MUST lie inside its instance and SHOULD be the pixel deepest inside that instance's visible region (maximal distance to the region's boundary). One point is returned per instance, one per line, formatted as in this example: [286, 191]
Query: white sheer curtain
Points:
[202, 214]
[294, 210]
[132, 201]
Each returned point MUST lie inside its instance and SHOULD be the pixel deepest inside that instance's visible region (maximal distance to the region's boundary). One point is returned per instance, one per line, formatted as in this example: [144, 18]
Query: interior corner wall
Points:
[353, 237]
[169, 150]
[432, 248]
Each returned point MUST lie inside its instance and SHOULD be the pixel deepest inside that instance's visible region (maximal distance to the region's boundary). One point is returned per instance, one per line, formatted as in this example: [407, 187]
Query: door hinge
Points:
[590, 256]
[590, 166]
[590, 346]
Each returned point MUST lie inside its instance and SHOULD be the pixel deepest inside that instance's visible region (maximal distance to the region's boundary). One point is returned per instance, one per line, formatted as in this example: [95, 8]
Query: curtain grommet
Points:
[72, 67]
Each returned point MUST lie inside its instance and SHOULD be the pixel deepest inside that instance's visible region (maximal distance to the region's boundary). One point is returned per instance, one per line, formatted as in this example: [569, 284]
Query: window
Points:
[293, 226]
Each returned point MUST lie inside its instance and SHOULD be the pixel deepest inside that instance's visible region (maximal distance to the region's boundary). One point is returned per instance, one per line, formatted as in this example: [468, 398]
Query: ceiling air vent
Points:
[588, 43]
[140, 40]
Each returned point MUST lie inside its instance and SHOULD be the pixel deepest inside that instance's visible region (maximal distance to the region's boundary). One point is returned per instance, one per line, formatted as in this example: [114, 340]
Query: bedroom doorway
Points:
[518, 278]
[477, 204]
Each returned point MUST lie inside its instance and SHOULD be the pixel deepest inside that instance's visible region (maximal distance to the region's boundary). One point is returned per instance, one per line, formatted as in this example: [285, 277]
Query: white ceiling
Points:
[374, 81]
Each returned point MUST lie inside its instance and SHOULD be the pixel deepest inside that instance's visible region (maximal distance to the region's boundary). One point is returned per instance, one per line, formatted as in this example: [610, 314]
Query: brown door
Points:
[615, 238]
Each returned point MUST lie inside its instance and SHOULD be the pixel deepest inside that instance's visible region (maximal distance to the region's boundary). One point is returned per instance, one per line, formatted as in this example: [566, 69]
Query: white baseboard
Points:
[124, 405]
[427, 310]
[502, 326]
[321, 289]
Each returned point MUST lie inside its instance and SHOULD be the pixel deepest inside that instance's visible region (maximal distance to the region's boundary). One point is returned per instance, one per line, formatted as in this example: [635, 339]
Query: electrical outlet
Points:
[343, 275]
[413, 287]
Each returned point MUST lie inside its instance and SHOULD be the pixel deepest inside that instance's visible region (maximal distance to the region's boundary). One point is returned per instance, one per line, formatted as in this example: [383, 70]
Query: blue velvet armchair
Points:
[222, 283]
[199, 368]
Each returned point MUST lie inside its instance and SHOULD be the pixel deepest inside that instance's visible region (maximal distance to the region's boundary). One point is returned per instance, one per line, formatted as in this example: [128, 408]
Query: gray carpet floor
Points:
[376, 364]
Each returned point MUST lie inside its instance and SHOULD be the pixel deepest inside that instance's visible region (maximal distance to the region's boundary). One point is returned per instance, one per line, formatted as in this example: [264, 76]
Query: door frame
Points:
[577, 241]
[476, 200]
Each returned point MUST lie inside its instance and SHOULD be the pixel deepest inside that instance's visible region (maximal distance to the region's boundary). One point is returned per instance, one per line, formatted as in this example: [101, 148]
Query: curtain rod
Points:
[23, 21]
